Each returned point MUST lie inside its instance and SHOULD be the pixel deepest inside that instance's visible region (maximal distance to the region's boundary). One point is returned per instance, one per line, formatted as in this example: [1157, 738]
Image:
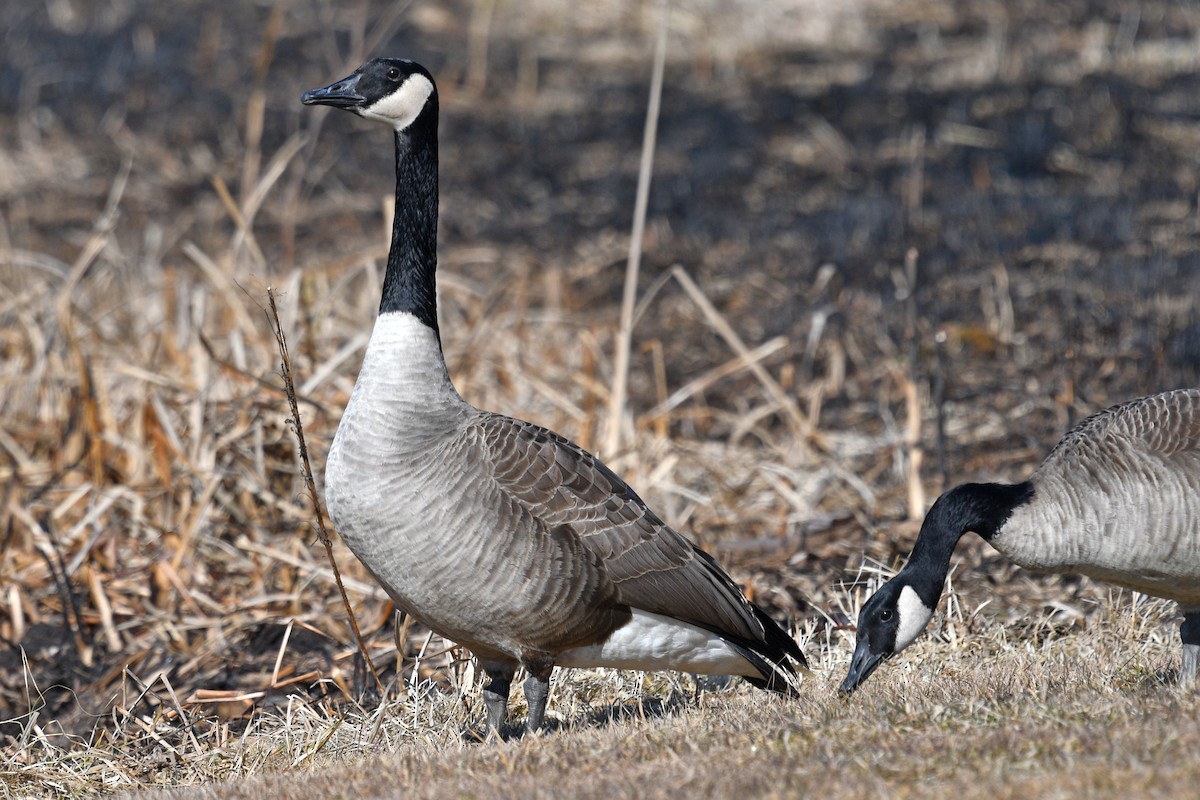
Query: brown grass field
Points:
[800, 387]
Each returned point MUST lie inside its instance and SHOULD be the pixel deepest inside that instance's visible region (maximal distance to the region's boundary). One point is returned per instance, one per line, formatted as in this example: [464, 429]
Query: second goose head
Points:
[895, 615]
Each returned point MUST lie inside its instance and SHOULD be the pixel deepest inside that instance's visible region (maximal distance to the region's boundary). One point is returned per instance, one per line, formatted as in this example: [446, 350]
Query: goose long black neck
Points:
[409, 283]
[982, 508]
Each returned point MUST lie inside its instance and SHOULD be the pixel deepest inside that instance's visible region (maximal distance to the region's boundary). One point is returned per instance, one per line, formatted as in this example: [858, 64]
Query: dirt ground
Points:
[157, 173]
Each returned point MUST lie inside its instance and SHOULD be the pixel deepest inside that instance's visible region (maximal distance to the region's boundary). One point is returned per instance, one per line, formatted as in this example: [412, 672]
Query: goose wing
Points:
[651, 566]
[1163, 426]
[1168, 423]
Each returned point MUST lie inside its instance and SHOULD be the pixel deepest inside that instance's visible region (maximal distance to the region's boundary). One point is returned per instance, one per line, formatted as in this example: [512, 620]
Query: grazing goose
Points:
[496, 533]
[1118, 499]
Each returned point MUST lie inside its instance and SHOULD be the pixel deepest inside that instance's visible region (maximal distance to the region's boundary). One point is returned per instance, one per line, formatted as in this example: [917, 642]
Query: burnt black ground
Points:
[1081, 182]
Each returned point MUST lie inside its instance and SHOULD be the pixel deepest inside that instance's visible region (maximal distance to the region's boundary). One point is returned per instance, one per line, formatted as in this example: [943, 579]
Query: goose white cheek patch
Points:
[914, 616]
[400, 108]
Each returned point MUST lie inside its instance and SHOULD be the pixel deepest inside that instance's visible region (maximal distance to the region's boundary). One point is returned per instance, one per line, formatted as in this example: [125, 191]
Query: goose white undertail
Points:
[653, 642]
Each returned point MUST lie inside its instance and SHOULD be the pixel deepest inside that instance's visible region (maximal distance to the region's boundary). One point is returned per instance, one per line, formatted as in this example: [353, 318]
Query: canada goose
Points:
[1118, 499]
[496, 533]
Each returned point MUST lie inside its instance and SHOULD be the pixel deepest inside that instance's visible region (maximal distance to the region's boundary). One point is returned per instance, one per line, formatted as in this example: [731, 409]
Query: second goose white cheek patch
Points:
[914, 616]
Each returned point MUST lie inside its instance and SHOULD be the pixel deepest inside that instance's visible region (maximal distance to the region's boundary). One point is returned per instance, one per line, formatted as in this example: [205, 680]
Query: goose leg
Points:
[539, 665]
[495, 695]
[537, 693]
[1189, 634]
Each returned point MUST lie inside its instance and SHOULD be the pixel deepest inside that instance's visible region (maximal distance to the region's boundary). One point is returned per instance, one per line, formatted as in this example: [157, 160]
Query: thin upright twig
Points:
[286, 367]
[937, 392]
[616, 407]
[912, 395]
[479, 30]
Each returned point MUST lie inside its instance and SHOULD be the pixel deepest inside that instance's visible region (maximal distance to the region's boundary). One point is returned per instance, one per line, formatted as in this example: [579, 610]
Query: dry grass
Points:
[1081, 715]
[980, 710]
[166, 613]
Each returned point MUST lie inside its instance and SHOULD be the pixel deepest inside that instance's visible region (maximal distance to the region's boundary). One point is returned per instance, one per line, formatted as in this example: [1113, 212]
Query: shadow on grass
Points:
[612, 714]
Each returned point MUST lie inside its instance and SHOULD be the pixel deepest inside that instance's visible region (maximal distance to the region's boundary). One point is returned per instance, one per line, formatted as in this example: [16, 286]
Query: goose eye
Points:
[885, 615]
[393, 74]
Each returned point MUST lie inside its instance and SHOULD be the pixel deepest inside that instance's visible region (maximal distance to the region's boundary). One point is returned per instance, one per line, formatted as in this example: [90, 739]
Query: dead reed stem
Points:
[616, 408]
[478, 33]
[912, 394]
[286, 367]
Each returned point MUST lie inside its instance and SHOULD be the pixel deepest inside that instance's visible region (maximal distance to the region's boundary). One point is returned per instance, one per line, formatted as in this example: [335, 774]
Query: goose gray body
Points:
[1118, 499]
[496, 533]
[1123, 501]
[571, 549]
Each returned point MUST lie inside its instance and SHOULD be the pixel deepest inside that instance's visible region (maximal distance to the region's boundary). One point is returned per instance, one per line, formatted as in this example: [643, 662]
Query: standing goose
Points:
[496, 533]
[1118, 500]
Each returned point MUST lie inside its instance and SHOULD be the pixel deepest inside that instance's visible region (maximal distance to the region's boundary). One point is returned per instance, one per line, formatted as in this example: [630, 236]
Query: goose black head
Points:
[391, 90]
[888, 623]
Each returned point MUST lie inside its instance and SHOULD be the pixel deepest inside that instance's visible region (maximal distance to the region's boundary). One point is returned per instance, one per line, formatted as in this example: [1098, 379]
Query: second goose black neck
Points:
[409, 283]
[983, 508]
